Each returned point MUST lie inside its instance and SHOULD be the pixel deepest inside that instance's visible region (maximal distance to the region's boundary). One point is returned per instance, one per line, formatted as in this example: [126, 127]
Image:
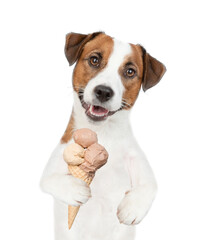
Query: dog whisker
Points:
[78, 88]
[125, 101]
[125, 104]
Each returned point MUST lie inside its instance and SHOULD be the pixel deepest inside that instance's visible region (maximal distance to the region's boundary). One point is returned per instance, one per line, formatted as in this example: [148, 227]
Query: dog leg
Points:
[62, 186]
[138, 200]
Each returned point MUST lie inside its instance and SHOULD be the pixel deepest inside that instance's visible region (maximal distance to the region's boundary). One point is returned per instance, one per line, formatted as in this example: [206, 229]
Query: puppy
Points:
[106, 80]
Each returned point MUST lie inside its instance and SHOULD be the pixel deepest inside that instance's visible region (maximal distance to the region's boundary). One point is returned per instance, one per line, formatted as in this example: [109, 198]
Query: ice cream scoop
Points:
[73, 154]
[95, 157]
[85, 137]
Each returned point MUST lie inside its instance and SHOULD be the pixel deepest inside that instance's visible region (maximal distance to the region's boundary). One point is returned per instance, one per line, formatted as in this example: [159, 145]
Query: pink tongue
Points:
[99, 110]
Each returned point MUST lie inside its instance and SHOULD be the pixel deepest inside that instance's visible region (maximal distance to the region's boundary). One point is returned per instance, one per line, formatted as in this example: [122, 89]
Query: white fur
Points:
[122, 191]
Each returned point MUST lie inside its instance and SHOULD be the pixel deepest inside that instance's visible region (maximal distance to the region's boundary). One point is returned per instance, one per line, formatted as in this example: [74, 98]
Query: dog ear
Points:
[153, 71]
[75, 43]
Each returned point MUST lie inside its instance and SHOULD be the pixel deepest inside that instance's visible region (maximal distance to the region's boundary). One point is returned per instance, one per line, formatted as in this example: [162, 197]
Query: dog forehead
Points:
[102, 43]
[121, 51]
[124, 53]
[113, 50]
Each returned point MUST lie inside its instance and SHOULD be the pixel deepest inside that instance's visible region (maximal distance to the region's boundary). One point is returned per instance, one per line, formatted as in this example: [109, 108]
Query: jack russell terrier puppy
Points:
[106, 80]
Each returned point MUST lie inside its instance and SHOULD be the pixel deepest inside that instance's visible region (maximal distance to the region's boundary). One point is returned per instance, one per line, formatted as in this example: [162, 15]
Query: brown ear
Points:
[75, 43]
[153, 71]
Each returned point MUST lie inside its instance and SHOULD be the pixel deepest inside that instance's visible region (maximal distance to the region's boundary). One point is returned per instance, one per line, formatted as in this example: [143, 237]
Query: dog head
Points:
[109, 73]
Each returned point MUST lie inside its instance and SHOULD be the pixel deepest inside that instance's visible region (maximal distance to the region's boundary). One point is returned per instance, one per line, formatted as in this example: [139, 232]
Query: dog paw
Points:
[68, 189]
[135, 205]
[78, 192]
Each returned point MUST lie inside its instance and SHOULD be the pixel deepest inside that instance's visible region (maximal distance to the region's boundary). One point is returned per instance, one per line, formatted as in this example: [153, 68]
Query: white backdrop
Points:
[173, 121]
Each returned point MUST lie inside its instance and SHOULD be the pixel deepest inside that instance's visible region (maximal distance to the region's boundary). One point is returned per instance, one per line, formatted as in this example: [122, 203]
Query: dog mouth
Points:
[96, 112]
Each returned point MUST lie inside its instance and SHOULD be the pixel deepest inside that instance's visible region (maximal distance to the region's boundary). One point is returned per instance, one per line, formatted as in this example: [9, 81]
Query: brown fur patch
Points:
[132, 85]
[83, 72]
[69, 130]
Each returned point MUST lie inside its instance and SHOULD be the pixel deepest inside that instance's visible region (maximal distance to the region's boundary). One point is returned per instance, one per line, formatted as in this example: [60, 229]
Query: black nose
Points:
[103, 93]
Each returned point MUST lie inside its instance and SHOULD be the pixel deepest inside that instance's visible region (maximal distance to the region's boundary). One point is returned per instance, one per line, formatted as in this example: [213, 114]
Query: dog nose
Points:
[103, 93]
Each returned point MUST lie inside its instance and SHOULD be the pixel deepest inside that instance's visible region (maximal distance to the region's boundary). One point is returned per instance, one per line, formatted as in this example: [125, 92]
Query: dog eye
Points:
[94, 61]
[130, 72]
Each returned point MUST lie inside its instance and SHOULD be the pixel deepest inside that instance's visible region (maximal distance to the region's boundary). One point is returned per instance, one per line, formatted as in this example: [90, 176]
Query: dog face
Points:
[108, 74]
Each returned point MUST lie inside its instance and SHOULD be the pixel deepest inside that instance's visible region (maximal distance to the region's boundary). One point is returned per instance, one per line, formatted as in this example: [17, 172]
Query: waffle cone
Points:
[86, 177]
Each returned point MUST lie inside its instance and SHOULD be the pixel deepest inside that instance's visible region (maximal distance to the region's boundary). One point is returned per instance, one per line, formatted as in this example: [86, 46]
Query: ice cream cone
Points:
[83, 157]
[86, 177]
